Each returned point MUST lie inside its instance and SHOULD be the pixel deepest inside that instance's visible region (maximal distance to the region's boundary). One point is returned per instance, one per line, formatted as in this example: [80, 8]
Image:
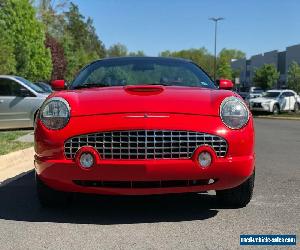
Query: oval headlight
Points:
[55, 113]
[234, 113]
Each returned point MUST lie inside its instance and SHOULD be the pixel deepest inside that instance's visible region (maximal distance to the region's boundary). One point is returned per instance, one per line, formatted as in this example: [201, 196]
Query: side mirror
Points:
[225, 84]
[58, 85]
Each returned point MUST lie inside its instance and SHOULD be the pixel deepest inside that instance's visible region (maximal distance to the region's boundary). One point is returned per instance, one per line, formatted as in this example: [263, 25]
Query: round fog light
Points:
[86, 160]
[204, 159]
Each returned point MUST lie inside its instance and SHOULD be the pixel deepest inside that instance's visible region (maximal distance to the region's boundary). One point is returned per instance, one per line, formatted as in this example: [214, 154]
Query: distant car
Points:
[275, 101]
[252, 96]
[46, 87]
[20, 100]
[255, 92]
[144, 126]
[252, 92]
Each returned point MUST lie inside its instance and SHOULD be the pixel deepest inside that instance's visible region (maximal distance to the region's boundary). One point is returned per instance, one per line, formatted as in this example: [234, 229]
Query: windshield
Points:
[257, 91]
[139, 71]
[31, 85]
[44, 86]
[272, 94]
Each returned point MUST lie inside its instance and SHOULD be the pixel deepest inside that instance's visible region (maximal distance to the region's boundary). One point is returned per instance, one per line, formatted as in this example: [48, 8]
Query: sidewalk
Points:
[16, 163]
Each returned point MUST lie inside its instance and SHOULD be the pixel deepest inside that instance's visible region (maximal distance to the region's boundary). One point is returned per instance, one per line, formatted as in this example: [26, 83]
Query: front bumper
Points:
[226, 172]
[263, 108]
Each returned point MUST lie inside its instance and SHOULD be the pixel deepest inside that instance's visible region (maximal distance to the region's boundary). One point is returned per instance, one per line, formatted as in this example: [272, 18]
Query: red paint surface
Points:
[120, 108]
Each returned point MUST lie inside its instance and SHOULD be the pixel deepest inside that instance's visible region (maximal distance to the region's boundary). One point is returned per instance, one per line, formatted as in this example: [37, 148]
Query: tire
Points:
[296, 107]
[239, 196]
[49, 197]
[275, 110]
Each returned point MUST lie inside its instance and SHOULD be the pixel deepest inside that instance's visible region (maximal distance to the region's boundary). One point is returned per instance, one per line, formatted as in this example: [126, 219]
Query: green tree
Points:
[80, 41]
[200, 56]
[51, 13]
[137, 53]
[224, 69]
[229, 54]
[293, 78]
[266, 76]
[117, 50]
[68, 28]
[7, 57]
[18, 20]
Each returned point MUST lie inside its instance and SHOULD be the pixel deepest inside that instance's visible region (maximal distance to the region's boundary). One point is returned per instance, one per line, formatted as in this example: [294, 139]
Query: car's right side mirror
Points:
[225, 84]
[58, 85]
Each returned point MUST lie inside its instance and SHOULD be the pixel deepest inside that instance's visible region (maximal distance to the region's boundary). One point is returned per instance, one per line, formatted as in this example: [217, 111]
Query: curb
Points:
[16, 163]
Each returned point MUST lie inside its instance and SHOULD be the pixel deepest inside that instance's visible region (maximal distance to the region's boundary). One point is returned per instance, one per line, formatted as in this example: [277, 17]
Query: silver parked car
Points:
[20, 100]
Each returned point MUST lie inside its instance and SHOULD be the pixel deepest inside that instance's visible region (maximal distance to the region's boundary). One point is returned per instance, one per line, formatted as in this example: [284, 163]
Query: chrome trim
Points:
[145, 144]
[147, 116]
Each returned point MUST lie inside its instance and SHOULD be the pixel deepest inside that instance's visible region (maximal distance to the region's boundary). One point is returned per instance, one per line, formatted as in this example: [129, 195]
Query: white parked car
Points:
[252, 93]
[20, 100]
[276, 101]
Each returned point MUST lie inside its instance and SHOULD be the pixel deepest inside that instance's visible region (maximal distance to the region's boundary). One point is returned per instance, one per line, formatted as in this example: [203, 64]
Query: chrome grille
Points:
[145, 144]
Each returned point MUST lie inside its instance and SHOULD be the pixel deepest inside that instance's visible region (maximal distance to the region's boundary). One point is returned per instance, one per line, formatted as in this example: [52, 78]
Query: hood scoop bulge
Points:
[144, 89]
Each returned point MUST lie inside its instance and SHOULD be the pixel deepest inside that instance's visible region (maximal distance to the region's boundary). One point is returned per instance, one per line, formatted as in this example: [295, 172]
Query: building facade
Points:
[281, 60]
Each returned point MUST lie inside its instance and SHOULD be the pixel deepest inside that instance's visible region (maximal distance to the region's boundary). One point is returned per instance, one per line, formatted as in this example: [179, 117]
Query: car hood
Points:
[144, 99]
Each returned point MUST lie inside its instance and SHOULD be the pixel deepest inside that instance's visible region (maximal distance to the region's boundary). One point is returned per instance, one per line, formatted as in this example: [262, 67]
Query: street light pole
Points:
[216, 19]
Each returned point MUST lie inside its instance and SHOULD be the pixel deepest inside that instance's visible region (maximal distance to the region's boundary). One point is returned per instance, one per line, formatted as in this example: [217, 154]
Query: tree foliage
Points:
[200, 56]
[224, 69]
[27, 37]
[58, 58]
[293, 79]
[7, 56]
[73, 32]
[137, 53]
[117, 50]
[266, 76]
[229, 54]
[80, 41]
[54, 40]
[51, 14]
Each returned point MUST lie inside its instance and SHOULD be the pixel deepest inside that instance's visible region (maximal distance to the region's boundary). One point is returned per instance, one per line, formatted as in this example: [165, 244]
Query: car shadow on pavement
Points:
[18, 202]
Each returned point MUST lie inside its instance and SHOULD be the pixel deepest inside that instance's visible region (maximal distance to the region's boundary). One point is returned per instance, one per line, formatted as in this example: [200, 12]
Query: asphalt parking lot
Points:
[169, 222]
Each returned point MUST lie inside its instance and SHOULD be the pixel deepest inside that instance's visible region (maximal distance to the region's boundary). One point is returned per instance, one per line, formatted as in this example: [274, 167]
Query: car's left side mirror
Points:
[58, 85]
[225, 84]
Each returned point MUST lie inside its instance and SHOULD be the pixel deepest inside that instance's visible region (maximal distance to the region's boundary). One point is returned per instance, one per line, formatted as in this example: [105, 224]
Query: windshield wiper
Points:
[91, 85]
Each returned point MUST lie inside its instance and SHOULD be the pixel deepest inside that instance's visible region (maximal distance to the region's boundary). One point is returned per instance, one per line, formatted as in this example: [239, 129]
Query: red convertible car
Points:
[144, 126]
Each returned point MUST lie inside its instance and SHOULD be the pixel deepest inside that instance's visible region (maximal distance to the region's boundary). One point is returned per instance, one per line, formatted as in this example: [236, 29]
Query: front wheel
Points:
[49, 197]
[239, 196]
[275, 110]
